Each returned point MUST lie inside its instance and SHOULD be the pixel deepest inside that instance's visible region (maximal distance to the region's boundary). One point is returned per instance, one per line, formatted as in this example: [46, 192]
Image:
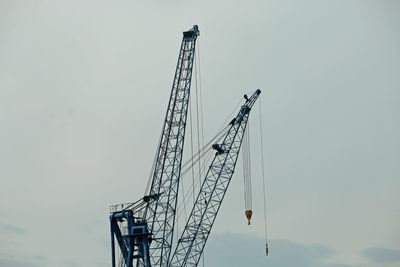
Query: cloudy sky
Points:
[83, 91]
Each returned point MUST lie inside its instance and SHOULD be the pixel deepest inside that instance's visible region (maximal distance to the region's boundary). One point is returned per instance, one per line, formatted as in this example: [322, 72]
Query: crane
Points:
[144, 229]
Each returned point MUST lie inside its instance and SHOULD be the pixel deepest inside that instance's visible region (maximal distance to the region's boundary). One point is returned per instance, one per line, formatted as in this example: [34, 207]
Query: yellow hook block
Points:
[249, 213]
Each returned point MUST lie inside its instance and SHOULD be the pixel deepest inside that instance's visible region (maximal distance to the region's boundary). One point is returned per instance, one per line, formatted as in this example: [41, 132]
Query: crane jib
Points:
[215, 184]
[144, 235]
[160, 214]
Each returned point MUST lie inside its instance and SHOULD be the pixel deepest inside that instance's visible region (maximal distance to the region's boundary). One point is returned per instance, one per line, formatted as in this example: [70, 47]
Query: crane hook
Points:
[248, 213]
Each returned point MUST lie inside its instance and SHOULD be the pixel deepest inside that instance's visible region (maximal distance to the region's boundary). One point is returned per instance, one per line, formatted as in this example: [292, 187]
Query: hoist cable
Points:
[201, 110]
[191, 143]
[247, 169]
[201, 96]
[263, 176]
[249, 166]
[244, 154]
[197, 111]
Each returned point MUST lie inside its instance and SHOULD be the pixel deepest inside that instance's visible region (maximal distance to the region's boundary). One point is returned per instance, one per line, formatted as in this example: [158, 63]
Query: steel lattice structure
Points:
[161, 214]
[159, 209]
[144, 230]
[195, 234]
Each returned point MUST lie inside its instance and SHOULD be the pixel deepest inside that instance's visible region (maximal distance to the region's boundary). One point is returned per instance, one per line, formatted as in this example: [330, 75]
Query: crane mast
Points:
[144, 229]
[201, 219]
[160, 214]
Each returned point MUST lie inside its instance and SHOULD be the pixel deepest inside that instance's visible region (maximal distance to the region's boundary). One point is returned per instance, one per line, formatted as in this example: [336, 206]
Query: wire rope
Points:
[201, 114]
[201, 98]
[197, 111]
[191, 144]
[247, 174]
[263, 178]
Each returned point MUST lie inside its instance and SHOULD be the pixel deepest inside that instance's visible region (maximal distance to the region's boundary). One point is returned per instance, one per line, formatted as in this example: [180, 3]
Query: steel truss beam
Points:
[160, 215]
[191, 244]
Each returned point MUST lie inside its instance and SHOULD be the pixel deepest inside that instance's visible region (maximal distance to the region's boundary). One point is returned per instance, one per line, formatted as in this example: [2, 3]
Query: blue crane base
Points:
[132, 236]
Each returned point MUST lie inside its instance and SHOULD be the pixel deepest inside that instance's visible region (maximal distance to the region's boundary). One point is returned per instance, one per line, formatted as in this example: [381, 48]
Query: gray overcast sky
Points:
[83, 91]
